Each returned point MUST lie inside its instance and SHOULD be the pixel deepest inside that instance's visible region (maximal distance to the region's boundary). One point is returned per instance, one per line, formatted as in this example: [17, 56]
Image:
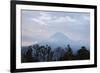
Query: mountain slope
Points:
[60, 40]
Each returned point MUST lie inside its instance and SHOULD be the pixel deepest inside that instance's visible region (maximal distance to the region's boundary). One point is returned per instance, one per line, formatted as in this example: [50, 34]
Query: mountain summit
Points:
[60, 36]
[57, 40]
[61, 40]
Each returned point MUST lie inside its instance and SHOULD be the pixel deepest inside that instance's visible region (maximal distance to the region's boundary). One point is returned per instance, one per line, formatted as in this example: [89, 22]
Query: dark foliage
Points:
[37, 53]
[28, 56]
[69, 53]
[83, 53]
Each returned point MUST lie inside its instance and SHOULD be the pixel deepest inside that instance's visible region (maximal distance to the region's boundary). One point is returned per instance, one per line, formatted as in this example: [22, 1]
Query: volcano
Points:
[54, 48]
[61, 40]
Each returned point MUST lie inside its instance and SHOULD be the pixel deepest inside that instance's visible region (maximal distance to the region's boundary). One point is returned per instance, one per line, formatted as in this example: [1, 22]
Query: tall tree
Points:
[69, 53]
[83, 53]
[29, 55]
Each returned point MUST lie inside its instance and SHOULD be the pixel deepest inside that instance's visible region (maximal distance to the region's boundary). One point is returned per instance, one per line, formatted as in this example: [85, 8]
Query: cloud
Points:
[39, 21]
[48, 19]
[70, 19]
[39, 25]
[64, 19]
[45, 16]
[43, 19]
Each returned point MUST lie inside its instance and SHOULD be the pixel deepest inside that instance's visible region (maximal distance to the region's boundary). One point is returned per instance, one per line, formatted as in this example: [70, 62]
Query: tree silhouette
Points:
[69, 53]
[37, 53]
[49, 54]
[23, 57]
[58, 54]
[43, 53]
[29, 55]
[83, 53]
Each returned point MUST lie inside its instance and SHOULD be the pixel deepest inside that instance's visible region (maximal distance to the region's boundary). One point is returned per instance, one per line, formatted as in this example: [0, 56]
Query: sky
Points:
[40, 25]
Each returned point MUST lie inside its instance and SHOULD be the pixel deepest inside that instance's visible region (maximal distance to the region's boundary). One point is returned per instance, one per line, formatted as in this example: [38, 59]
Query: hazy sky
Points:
[40, 25]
